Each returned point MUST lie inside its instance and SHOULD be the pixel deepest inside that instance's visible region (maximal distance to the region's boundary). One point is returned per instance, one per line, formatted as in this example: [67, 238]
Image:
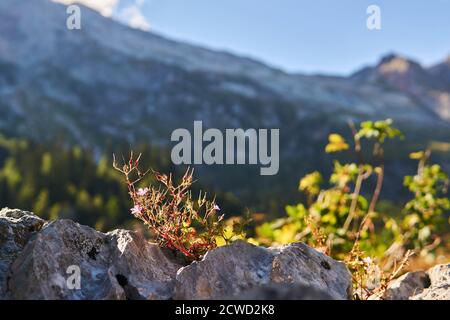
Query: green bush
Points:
[347, 224]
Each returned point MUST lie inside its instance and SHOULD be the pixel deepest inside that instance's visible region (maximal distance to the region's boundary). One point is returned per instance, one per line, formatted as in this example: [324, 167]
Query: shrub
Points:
[177, 220]
[424, 216]
[339, 219]
[342, 222]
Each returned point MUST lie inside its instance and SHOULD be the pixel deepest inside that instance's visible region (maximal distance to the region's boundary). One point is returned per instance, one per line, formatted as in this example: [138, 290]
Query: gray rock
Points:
[439, 288]
[407, 285]
[439, 274]
[299, 263]
[434, 293]
[16, 228]
[112, 266]
[231, 270]
[224, 271]
[433, 284]
[41, 269]
[39, 260]
[143, 269]
[278, 291]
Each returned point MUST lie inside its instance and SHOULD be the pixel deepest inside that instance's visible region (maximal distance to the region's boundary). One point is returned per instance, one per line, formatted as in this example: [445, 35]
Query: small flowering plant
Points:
[177, 220]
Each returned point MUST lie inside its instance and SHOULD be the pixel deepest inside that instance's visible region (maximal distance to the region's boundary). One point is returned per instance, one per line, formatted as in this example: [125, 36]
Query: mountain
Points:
[442, 71]
[108, 84]
[431, 87]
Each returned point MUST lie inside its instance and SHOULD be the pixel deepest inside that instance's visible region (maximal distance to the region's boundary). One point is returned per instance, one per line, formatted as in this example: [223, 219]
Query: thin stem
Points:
[355, 195]
[378, 187]
[359, 179]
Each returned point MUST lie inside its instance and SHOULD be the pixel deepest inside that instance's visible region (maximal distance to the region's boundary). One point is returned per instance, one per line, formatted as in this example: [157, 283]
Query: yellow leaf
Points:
[335, 138]
[220, 241]
[253, 241]
[286, 234]
[336, 143]
[416, 155]
[228, 232]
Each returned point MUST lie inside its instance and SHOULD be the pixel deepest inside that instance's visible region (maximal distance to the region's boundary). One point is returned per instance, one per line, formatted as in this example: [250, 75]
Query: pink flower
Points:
[142, 192]
[367, 260]
[216, 207]
[136, 210]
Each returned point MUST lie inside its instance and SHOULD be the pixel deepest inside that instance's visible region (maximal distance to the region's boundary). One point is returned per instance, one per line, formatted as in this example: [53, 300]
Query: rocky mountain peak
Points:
[447, 60]
[401, 73]
[442, 72]
[393, 63]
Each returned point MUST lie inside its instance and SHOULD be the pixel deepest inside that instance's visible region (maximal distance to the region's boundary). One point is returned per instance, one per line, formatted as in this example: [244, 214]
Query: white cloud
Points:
[132, 15]
[104, 7]
[129, 12]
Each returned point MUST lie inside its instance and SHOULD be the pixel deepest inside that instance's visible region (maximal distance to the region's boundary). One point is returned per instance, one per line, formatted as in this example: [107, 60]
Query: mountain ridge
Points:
[146, 45]
[108, 84]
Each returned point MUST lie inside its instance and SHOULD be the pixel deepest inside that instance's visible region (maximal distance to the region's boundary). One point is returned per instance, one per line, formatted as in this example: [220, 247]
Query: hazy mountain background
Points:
[107, 87]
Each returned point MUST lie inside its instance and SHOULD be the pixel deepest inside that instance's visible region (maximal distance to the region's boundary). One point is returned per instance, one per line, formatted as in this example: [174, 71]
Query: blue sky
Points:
[328, 36]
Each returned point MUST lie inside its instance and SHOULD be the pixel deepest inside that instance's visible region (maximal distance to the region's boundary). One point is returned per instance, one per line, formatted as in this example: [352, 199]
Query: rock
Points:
[118, 265]
[142, 268]
[439, 288]
[230, 270]
[407, 285]
[41, 269]
[299, 263]
[42, 260]
[434, 293]
[433, 284]
[277, 291]
[224, 271]
[16, 228]
[439, 275]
